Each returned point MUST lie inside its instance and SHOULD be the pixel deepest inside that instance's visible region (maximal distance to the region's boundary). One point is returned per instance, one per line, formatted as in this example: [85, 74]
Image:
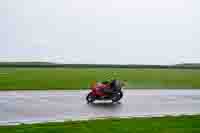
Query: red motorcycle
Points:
[105, 91]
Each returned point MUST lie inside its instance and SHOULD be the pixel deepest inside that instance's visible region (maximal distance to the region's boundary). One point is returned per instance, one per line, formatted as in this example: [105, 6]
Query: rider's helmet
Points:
[93, 84]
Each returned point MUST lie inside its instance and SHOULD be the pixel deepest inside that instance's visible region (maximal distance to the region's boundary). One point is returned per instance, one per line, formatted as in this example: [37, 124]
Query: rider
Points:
[112, 87]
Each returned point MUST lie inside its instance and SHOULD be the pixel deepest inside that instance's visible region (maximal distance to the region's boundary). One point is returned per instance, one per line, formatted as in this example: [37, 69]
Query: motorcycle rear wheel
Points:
[118, 96]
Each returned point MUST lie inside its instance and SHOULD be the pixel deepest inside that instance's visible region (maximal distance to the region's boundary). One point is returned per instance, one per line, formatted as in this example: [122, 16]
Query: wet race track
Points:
[43, 106]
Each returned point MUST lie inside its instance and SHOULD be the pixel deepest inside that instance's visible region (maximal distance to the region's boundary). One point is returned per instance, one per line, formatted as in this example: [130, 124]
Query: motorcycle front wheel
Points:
[90, 98]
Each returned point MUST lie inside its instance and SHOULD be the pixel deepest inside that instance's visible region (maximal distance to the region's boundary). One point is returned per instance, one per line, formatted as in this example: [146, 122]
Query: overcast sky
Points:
[100, 31]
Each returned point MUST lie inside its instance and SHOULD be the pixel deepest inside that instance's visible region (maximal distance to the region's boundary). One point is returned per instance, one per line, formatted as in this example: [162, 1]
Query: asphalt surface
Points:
[42, 106]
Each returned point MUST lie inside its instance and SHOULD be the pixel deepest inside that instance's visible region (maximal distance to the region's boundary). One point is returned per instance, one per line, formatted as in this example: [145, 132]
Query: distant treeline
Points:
[53, 65]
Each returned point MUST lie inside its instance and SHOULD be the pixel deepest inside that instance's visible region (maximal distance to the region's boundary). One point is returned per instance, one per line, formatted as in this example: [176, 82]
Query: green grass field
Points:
[79, 78]
[181, 124]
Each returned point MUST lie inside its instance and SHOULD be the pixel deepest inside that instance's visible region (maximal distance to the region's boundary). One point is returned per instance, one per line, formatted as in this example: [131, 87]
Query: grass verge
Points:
[80, 78]
[179, 124]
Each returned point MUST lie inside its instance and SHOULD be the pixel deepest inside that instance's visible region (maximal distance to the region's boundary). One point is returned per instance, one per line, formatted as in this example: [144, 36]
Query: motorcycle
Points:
[98, 92]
